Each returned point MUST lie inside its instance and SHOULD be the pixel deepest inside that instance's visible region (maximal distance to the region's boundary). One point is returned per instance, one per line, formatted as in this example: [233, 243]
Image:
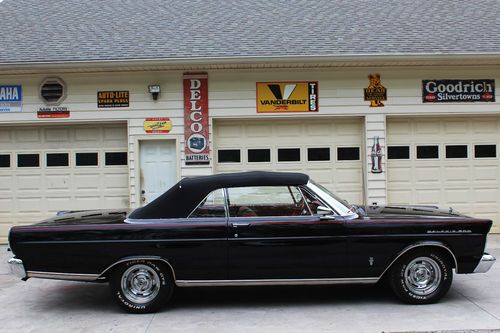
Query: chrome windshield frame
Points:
[340, 208]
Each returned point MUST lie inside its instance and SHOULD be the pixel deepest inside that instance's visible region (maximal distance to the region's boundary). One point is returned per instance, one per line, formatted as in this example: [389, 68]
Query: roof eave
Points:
[346, 60]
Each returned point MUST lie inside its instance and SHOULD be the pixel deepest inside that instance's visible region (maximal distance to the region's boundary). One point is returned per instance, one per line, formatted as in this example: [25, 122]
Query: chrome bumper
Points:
[485, 264]
[17, 267]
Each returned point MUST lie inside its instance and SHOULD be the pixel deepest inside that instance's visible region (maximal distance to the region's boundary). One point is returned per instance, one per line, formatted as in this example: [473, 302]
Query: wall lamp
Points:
[154, 90]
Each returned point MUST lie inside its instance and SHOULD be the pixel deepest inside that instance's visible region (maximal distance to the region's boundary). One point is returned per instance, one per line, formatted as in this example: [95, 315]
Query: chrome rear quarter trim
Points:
[63, 276]
[272, 282]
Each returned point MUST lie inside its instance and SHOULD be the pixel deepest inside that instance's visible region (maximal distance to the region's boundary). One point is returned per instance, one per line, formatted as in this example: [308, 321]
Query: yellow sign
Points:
[157, 125]
[287, 96]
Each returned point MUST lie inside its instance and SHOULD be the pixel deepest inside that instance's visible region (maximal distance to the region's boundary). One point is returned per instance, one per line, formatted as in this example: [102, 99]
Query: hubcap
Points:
[422, 276]
[140, 284]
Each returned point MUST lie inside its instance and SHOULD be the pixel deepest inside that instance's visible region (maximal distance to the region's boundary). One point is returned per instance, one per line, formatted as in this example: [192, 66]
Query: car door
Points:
[273, 234]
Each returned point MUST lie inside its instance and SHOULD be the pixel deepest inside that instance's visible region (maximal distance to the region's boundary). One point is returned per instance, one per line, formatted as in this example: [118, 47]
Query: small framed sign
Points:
[112, 99]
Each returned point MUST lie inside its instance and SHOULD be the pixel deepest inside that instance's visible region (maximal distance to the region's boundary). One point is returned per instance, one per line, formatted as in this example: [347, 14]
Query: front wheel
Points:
[422, 276]
[142, 286]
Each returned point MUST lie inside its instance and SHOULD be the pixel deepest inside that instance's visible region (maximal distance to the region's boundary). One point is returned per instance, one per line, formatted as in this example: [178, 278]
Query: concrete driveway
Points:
[473, 303]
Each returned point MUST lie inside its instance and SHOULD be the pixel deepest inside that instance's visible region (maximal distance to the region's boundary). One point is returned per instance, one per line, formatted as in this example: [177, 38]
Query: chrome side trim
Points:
[485, 263]
[272, 282]
[17, 267]
[155, 258]
[421, 244]
[63, 276]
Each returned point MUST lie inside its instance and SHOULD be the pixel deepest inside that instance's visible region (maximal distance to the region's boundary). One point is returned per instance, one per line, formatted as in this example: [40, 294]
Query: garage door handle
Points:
[240, 224]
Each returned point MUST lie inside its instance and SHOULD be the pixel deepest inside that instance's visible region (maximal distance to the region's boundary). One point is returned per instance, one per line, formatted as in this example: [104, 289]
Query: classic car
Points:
[253, 228]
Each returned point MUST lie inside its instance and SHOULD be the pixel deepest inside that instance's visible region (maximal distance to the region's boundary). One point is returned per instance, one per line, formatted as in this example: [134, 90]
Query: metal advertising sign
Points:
[11, 99]
[287, 97]
[376, 92]
[157, 125]
[458, 91]
[53, 112]
[112, 99]
[196, 118]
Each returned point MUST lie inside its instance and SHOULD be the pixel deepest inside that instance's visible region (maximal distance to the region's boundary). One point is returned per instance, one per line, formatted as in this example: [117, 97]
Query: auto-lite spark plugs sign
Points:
[456, 91]
[196, 118]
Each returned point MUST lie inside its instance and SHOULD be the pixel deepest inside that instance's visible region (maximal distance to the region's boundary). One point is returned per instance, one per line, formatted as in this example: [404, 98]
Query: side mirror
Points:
[322, 210]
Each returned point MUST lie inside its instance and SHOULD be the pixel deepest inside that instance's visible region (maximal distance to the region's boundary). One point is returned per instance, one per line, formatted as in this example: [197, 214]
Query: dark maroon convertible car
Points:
[255, 228]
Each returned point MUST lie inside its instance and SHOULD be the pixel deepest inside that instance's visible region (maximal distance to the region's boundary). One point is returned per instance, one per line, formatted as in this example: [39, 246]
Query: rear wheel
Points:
[422, 276]
[142, 286]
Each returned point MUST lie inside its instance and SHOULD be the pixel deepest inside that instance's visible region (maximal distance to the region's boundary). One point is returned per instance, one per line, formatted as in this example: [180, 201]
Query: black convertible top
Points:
[182, 198]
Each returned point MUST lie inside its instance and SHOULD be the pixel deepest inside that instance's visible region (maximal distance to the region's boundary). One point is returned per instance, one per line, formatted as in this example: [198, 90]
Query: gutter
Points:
[393, 59]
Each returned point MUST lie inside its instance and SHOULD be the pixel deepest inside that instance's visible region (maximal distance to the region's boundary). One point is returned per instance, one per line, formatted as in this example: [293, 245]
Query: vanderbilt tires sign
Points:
[287, 97]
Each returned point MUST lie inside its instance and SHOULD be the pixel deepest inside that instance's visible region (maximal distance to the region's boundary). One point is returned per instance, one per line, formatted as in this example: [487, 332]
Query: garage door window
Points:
[348, 154]
[86, 159]
[456, 151]
[288, 154]
[318, 154]
[228, 156]
[259, 155]
[427, 152]
[398, 152]
[485, 151]
[116, 158]
[4, 161]
[28, 160]
[57, 159]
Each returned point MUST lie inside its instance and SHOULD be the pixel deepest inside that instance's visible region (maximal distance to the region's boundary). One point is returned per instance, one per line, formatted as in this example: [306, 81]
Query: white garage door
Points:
[328, 150]
[448, 162]
[47, 169]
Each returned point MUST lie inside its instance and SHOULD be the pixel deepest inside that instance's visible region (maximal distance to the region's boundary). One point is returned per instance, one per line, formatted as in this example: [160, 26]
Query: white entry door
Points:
[158, 165]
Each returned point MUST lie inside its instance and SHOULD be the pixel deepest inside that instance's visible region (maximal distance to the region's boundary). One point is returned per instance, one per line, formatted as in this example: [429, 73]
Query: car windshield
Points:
[338, 204]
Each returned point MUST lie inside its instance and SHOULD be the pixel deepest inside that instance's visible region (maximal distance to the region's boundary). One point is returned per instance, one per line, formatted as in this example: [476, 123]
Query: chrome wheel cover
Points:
[422, 276]
[140, 284]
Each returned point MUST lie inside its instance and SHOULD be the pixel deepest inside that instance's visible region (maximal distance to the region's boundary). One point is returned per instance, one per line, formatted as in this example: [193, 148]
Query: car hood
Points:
[411, 212]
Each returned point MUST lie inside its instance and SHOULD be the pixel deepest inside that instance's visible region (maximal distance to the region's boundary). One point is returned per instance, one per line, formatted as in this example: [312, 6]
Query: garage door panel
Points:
[470, 185]
[399, 175]
[56, 135]
[58, 182]
[399, 197]
[31, 194]
[28, 183]
[116, 181]
[427, 174]
[27, 135]
[322, 130]
[340, 176]
[456, 174]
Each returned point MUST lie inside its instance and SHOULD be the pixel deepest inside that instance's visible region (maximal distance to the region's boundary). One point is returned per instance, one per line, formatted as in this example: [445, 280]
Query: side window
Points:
[211, 206]
[266, 201]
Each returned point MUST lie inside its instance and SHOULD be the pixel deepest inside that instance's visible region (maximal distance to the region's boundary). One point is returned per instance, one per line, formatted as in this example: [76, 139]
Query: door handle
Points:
[240, 224]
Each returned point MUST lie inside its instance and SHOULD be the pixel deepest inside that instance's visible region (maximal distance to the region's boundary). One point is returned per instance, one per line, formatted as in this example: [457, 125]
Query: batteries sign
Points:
[287, 97]
[196, 118]
[11, 99]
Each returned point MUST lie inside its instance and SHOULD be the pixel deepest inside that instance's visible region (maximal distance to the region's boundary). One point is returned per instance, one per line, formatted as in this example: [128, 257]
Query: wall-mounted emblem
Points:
[196, 119]
[376, 92]
[112, 99]
[157, 125]
[376, 156]
[458, 91]
[11, 98]
[287, 97]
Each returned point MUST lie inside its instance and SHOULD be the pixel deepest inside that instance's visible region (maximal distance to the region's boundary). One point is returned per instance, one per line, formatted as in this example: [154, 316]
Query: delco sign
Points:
[456, 91]
[196, 118]
[11, 99]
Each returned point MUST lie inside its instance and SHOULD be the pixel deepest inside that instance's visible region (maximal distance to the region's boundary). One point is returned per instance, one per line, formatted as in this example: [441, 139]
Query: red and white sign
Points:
[196, 118]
